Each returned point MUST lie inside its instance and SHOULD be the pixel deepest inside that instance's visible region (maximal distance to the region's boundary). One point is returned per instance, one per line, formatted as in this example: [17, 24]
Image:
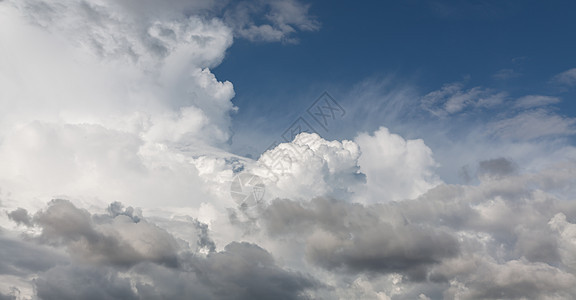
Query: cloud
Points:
[109, 256]
[118, 240]
[21, 258]
[453, 99]
[20, 216]
[515, 279]
[502, 238]
[532, 124]
[496, 168]
[242, 271]
[105, 110]
[350, 237]
[532, 101]
[395, 168]
[567, 78]
[120, 106]
[506, 74]
[451, 241]
[77, 282]
[310, 166]
[284, 19]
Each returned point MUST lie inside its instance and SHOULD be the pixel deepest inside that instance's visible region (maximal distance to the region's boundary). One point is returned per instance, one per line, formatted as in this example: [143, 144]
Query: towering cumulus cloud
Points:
[115, 175]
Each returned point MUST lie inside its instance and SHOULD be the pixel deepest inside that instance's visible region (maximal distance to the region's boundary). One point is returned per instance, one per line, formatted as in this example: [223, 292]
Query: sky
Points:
[287, 149]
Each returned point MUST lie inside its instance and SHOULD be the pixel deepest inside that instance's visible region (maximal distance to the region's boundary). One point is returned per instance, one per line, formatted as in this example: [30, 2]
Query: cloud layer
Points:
[115, 174]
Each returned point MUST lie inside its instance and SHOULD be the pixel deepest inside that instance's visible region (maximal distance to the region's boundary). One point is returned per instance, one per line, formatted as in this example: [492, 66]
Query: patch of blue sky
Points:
[382, 60]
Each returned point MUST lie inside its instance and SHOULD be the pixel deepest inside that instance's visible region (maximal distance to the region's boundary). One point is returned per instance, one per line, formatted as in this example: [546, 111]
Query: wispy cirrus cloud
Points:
[453, 98]
[567, 78]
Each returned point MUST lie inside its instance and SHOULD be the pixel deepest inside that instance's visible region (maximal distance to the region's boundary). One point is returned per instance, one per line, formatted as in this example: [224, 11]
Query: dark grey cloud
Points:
[21, 257]
[485, 238]
[204, 240]
[496, 168]
[106, 258]
[20, 216]
[241, 271]
[120, 242]
[500, 239]
[117, 209]
[355, 238]
[5, 296]
[83, 282]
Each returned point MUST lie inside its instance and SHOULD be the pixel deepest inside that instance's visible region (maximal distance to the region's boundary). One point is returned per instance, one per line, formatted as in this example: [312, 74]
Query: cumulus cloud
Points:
[106, 109]
[354, 238]
[498, 239]
[110, 256]
[241, 271]
[395, 168]
[20, 216]
[311, 166]
[115, 179]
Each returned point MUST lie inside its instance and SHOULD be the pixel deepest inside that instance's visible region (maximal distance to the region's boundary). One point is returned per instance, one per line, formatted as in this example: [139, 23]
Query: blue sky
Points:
[515, 47]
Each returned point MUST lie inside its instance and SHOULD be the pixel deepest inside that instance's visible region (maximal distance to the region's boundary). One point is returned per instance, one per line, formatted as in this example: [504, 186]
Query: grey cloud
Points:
[489, 241]
[204, 240]
[121, 241]
[284, 19]
[20, 216]
[356, 238]
[7, 296]
[499, 239]
[241, 271]
[516, 279]
[83, 282]
[109, 261]
[117, 209]
[188, 231]
[497, 168]
[22, 258]
[512, 215]
[227, 273]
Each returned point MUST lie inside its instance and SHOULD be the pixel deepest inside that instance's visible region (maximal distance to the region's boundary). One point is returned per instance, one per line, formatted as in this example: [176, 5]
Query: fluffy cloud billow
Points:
[116, 174]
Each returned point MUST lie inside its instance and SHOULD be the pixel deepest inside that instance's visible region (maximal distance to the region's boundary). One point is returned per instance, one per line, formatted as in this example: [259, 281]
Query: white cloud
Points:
[310, 167]
[102, 102]
[567, 77]
[567, 239]
[120, 105]
[395, 168]
[532, 125]
[532, 101]
[506, 74]
[452, 99]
